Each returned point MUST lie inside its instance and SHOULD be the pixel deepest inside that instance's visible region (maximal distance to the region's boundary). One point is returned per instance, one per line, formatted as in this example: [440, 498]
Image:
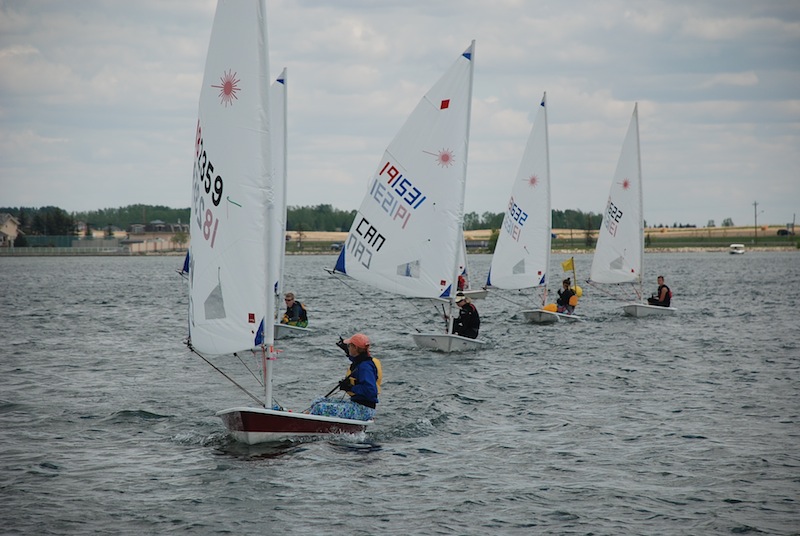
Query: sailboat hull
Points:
[477, 294]
[640, 310]
[283, 331]
[258, 425]
[444, 342]
[541, 316]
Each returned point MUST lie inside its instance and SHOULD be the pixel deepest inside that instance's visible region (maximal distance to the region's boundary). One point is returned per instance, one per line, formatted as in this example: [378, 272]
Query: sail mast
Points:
[549, 218]
[462, 185]
[269, 184]
[641, 204]
[278, 106]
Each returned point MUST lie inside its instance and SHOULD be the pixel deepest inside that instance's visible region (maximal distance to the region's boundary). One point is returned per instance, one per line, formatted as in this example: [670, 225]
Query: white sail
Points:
[407, 234]
[620, 244]
[231, 190]
[237, 212]
[522, 255]
[278, 107]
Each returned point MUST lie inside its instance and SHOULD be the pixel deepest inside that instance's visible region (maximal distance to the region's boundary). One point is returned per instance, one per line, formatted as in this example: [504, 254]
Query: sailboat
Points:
[278, 106]
[231, 302]
[521, 258]
[619, 252]
[407, 236]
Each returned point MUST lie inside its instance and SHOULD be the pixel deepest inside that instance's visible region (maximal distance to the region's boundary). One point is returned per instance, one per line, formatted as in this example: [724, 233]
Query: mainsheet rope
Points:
[365, 296]
[234, 382]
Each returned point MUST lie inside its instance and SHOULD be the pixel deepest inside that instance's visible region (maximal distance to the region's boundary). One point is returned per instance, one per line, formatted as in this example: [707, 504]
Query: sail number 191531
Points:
[206, 185]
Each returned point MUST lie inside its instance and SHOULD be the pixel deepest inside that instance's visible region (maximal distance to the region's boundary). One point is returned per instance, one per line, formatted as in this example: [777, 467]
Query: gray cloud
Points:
[98, 100]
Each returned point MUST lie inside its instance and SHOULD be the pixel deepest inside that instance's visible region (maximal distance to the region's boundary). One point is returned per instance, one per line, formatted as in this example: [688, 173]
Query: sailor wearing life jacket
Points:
[362, 383]
[663, 295]
[295, 314]
[567, 300]
[468, 322]
[364, 375]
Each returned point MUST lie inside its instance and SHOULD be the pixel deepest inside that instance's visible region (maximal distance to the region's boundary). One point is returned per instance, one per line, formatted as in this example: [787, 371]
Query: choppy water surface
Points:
[680, 425]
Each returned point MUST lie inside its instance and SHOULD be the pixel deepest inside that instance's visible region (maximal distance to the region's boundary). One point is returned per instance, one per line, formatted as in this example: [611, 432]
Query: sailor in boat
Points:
[295, 314]
[462, 282]
[567, 299]
[468, 322]
[663, 295]
[361, 384]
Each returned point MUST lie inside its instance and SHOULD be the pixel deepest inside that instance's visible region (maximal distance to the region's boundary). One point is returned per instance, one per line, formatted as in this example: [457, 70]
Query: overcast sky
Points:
[98, 98]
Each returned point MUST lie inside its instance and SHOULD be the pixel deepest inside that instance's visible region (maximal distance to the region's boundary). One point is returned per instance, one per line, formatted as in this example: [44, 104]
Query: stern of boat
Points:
[540, 316]
[443, 342]
[283, 331]
[640, 310]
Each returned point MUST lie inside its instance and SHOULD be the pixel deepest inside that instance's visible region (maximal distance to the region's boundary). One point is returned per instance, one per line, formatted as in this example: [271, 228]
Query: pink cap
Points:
[359, 340]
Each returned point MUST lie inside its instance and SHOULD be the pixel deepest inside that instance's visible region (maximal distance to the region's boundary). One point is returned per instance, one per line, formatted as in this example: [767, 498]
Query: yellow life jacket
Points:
[379, 368]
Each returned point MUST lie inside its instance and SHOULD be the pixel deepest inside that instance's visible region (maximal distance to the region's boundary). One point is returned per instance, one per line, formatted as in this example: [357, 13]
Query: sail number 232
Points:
[612, 218]
[514, 219]
[204, 179]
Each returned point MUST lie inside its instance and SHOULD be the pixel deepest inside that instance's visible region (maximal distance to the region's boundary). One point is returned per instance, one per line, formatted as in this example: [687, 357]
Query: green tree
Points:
[124, 217]
[471, 221]
[180, 238]
[589, 239]
[318, 218]
[492, 220]
[51, 221]
[493, 240]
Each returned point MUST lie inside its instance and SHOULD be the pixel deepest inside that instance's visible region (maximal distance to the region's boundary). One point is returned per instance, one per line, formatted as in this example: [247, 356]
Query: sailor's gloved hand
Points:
[345, 384]
[341, 344]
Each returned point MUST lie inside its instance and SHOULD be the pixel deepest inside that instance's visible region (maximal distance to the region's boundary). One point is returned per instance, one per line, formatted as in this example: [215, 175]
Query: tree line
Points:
[56, 221]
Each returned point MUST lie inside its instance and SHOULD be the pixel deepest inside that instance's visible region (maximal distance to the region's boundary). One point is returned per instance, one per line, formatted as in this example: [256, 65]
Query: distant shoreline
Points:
[565, 241]
[47, 252]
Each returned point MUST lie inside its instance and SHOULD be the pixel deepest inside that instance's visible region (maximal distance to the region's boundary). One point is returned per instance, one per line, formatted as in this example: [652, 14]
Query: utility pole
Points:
[755, 222]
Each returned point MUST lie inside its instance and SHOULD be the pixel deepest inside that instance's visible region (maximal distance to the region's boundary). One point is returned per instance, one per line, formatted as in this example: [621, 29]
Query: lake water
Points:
[680, 425]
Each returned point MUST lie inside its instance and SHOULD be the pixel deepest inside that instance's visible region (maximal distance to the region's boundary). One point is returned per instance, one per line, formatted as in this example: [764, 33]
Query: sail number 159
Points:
[203, 173]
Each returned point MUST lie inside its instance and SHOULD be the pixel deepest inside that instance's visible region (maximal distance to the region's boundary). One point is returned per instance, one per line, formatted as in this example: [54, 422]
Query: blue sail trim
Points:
[468, 53]
[340, 262]
[446, 293]
[259, 340]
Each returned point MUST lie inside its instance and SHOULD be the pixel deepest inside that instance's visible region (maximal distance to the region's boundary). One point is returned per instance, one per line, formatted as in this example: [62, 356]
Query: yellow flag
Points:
[568, 264]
